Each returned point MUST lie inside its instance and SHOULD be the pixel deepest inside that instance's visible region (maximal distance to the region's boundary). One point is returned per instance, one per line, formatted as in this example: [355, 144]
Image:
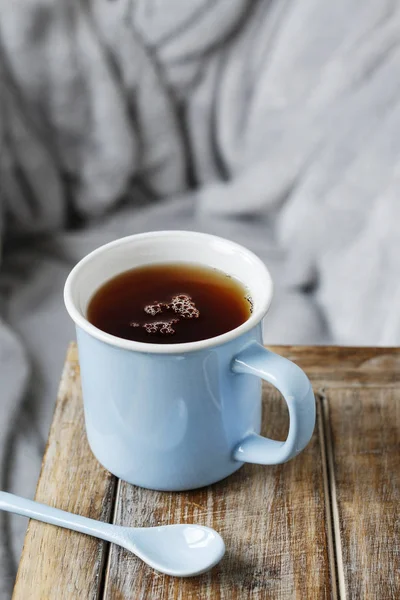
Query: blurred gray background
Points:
[273, 123]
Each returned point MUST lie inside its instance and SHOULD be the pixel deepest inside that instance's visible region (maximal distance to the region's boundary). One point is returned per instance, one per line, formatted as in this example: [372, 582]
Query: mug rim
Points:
[81, 321]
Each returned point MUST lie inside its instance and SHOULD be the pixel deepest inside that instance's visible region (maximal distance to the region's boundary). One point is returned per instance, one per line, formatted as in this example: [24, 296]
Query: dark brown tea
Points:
[169, 304]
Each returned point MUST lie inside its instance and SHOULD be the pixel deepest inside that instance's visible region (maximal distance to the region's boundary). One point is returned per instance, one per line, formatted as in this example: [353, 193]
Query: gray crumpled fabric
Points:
[276, 124]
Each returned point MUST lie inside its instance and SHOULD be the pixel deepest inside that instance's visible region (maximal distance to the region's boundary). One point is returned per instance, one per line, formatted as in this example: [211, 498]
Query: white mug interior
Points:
[167, 247]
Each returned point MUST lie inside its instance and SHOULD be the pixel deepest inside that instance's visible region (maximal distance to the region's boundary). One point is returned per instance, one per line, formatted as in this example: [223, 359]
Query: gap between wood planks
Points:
[106, 562]
[331, 506]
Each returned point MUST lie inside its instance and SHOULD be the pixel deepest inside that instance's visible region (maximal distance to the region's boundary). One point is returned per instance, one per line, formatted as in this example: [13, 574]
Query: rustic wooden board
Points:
[291, 531]
[365, 456]
[271, 518]
[57, 564]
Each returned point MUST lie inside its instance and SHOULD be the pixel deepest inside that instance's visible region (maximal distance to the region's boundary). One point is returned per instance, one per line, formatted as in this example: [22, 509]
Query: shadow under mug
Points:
[182, 416]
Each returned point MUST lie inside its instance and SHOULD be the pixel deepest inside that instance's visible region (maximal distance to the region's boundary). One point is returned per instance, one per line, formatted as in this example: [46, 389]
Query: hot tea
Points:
[169, 304]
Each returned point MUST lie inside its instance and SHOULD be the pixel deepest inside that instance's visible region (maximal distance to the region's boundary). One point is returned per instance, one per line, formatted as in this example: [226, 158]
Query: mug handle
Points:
[296, 389]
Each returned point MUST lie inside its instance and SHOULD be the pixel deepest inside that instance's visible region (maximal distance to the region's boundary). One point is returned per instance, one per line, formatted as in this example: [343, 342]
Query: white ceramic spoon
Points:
[179, 550]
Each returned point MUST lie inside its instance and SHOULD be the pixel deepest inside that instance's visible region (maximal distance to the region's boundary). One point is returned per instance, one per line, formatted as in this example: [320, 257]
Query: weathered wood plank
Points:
[365, 455]
[272, 520]
[342, 366]
[56, 563]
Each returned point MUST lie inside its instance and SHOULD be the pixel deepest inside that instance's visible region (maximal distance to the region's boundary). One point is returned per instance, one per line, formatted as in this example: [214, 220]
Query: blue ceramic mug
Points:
[182, 416]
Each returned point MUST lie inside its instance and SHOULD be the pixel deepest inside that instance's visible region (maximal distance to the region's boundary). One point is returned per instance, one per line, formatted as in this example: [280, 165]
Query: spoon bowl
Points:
[178, 550]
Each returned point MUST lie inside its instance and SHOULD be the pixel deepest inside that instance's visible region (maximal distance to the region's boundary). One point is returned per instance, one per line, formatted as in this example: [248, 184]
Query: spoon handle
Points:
[55, 516]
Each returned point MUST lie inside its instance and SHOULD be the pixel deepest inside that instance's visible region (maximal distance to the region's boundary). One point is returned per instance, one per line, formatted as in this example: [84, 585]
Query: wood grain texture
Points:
[365, 447]
[343, 366]
[271, 518]
[57, 564]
